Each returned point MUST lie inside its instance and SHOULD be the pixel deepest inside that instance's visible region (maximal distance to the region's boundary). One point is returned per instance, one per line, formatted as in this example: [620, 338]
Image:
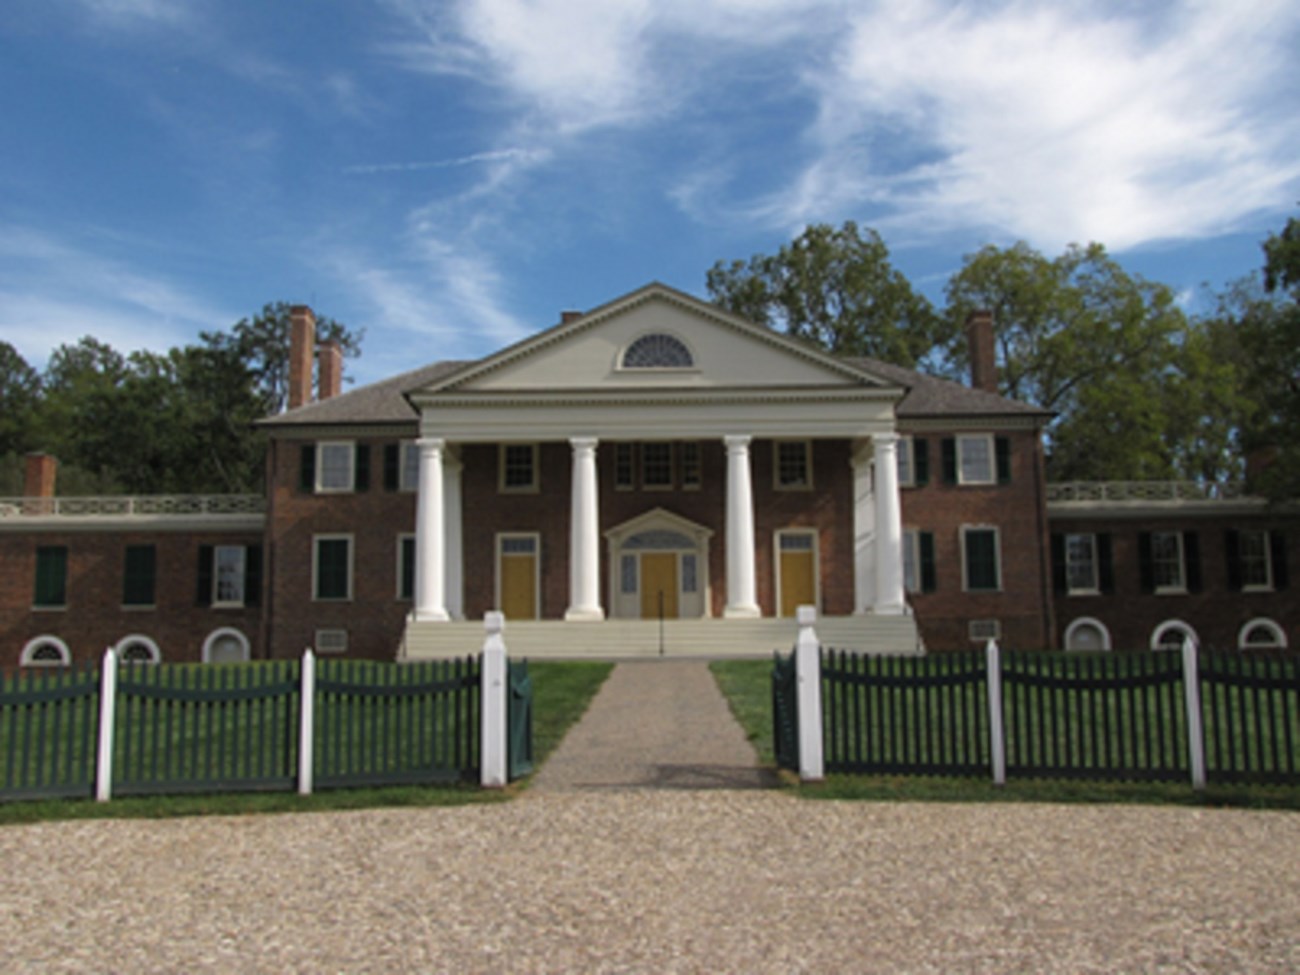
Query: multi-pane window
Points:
[691, 477]
[690, 573]
[51, 576]
[410, 473]
[627, 575]
[975, 460]
[624, 467]
[906, 471]
[139, 575]
[657, 465]
[911, 560]
[1253, 556]
[332, 565]
[229, 563]
[981, 563]
[335, 464]
[1081, 563]
[1167, 561]
[518, 467]
[793, 469]
[657, 351]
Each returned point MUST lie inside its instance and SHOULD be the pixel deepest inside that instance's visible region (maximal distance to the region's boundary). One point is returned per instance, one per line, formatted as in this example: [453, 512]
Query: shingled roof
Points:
[931, 396]
[381, 402]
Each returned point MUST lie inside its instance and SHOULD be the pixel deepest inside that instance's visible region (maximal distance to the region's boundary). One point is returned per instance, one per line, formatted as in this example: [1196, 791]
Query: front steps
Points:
[624, 639]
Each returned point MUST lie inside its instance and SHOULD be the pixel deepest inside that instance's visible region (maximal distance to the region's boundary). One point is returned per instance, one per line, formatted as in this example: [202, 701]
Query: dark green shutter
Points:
[392, 466]
[203, 593]
[928, 579]
[1146, 571]
[1059, 581]
[1277, 552]
[1232, 547]
[949, 450]
[361, 473]
[1002, 452]
[920, 461]
[51, 576]
[332, 568]
[408, 568]
[139, 572]
[307, 468]
[1105, 563]
[253, 575]
[981, 560]
[1192, 558]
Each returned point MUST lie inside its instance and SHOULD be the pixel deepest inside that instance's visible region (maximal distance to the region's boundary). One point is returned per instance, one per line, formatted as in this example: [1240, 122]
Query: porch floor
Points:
[681, 639]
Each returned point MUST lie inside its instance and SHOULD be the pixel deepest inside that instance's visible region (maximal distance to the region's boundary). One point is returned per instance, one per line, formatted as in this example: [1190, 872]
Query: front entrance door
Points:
[797, 569]
[658, 581]
[517, 576]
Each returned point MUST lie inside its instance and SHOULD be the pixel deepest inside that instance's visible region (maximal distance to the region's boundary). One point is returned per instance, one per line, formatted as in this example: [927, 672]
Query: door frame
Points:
[498, 555]
[696, 542]
[816, 564]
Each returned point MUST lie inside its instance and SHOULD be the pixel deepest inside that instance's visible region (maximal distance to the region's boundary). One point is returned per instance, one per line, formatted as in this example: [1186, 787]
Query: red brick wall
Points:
[1023, 605]
[1216, 613]
[94, 617]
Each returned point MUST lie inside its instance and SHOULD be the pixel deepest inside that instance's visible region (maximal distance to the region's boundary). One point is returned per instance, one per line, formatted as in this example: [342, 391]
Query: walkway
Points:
[655, 724]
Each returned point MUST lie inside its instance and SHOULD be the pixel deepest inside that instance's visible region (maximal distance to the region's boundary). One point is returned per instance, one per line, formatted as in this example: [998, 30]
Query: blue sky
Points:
[451, 174]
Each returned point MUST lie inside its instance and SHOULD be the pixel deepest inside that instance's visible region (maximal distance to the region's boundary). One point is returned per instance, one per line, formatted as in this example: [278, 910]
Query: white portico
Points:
[656, 367]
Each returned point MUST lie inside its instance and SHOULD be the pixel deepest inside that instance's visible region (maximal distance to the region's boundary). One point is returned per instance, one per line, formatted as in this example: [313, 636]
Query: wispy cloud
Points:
[525, 156]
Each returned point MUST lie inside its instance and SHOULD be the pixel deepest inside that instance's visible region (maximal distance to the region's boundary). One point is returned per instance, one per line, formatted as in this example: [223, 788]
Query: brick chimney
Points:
[983, 360]
[42, 469]
[569, 316]
[302, 351]
[331, 370]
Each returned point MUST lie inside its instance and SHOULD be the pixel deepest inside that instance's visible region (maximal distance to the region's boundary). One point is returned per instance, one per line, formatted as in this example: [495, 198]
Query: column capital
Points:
[885, 440]
[737, 441]
[583, 443]
[431, 444]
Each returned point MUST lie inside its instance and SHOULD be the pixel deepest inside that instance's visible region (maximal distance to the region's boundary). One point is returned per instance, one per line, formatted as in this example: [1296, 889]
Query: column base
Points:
[742, 612]
[429, 616]
[895, 610]
[584, 614]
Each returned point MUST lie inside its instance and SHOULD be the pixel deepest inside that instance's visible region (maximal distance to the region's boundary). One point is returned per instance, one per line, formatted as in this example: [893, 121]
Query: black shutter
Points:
[1002, 451]
[1232, 546]
[949, 448]
[1277, 552]
[203, 593]
[1059, 581]
[361, 474]
[253, 576]
[307, 468]
[1105, 563]
[920, 461]
[407, 590]
[926, 543]
[1145, 570]
[1192, 556]
[392, 466]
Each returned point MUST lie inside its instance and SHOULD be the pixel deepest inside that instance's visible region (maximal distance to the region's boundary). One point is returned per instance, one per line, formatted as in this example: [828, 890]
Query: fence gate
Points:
[519, 720]
[785, 710]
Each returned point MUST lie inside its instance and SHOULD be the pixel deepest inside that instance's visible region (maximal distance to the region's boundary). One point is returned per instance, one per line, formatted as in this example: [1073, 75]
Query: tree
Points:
[20, 391]
[836, 288]
[1103, 349]
[262, 344]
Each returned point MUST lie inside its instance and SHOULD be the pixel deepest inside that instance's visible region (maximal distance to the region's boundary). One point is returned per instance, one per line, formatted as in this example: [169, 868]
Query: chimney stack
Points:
[331, 370]
[569, 316]
[983, 359]
[42, 469]
[302, 350]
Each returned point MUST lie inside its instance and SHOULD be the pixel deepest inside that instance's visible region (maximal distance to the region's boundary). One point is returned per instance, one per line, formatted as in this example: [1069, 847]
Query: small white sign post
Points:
[1195, 729]
[808, 677]
[307, 723]
[997, 731]
[495, 687]
[107, 718]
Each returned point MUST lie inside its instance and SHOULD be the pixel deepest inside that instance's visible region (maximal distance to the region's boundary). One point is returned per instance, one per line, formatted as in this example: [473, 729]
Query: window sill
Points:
[1258, 589]
[1083, 592]
[50, 609]
[139, 607]
[1171, 591]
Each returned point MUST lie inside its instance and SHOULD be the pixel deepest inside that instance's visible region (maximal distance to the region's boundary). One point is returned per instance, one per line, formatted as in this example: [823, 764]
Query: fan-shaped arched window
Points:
[45, 651]
[658, 351]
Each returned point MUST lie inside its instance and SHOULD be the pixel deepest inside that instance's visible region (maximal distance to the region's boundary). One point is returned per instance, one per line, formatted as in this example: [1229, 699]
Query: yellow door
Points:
[658, 575]
[518, 571]
[798, 573]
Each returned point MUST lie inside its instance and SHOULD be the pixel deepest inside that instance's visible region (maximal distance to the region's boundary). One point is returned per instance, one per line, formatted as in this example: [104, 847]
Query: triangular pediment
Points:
[587, 353]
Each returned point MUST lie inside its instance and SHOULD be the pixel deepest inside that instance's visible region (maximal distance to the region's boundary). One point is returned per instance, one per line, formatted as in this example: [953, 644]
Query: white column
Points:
[889, 527]
[741, 601]
[455, 556]
[584, 535]
[864, 530]
[430, 543]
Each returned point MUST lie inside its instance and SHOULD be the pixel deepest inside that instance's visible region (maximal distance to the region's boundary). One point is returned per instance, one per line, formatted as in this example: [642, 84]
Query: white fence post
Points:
[306, 722]
[808, 677]
[492, 761]
[1195, 727]
[997, 730]
[107, 716]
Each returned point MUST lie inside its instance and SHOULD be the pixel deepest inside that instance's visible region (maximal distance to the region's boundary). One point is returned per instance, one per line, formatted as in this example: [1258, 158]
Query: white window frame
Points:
[530, 488]
[1092, 622]
[1168, 589]
[965, 561]
[968, 438]
[1094, 587]
[696, 468]
[807, 483]
[1176, 626]
[408, 472]
[498, 548]
[657, 334]
[315, 566]
[242, 600]
[912, 560]
[220, 634]
[667, 447]
[624, 451]
[906, 461]
[1266, 558]
[349, 482]
[28, 656]
[155, 653]
[1279, 635]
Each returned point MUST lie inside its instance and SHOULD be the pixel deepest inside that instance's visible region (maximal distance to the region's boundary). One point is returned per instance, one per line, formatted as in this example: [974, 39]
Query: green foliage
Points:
[835, 288]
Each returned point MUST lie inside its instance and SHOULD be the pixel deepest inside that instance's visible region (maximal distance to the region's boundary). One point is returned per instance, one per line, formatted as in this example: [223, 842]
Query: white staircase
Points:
[621, 639]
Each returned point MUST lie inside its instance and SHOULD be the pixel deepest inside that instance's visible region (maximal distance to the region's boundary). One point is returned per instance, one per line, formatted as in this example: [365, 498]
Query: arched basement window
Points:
[1086, 633]
[1261, 634]
[1170, 635]
[45, 651]
[658, 351]
[138, 649]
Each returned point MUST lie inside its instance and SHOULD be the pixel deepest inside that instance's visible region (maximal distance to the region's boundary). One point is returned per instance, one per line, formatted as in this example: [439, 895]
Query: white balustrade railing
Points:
[1146, 491]
[126, 506]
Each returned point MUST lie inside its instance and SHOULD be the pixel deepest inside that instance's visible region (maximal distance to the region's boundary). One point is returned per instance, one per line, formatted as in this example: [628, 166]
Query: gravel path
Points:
[599, 873]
